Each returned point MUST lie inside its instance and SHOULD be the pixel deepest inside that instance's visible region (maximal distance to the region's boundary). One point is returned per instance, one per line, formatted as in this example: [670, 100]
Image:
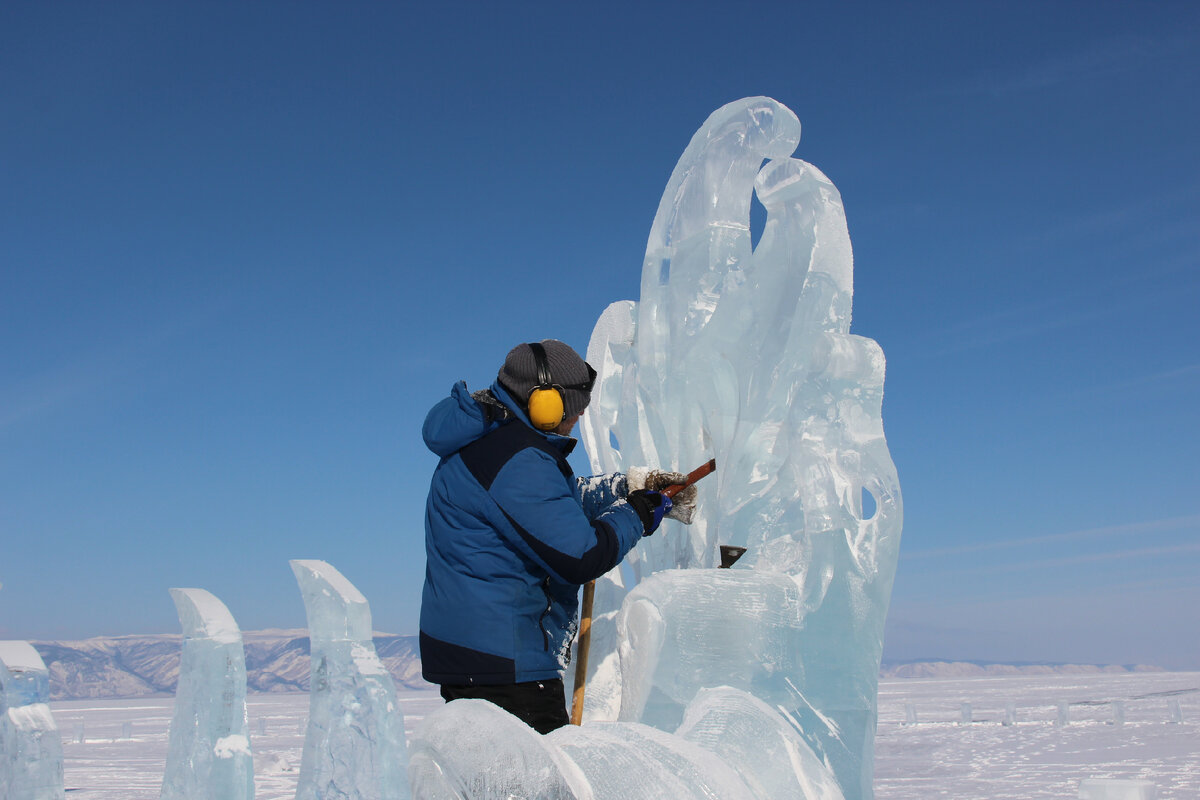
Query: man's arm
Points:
[542, 517]
[599, 492]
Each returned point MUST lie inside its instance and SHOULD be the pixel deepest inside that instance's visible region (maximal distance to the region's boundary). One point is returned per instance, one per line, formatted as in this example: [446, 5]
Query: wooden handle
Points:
[581, 652]
[693, 476]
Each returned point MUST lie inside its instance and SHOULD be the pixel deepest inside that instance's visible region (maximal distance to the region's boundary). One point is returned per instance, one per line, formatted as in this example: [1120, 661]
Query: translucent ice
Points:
[743, 353]
[208, 754]
[750, 736]
[744, 620]
[730, 746]
[473, 749]
[31, 757]
[630, 761]
[354, 748]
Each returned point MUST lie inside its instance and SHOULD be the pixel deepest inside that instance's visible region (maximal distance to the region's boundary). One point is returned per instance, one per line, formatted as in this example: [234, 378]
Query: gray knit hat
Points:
[568, 372]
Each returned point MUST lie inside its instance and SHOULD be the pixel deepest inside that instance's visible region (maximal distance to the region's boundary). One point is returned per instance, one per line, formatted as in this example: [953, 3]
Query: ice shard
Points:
[743, 352]
[31, 756]
[354, 748]
[208, 752]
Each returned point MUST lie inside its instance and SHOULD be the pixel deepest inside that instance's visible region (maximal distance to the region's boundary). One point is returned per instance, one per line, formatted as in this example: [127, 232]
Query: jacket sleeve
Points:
[600, 491]
[544, 520]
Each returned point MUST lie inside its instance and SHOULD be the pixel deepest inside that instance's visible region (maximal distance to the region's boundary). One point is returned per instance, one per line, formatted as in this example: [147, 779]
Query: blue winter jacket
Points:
[510, 535]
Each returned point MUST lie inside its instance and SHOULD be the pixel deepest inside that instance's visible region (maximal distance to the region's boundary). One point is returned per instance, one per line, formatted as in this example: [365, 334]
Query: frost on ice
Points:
[31, 756]
[759, 681]
[354, 748]
[208, 753]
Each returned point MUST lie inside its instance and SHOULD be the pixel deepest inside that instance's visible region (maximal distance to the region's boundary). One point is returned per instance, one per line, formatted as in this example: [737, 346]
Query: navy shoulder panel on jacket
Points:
[485, 457]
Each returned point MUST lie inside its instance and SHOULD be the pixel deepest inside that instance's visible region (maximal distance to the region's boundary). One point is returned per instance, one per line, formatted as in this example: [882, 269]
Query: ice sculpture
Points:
[354, 748]
[208, 754]
[750, 736]
[31, 756]
[630, 761]
[730, 746]
[473, 749]
[744, 353]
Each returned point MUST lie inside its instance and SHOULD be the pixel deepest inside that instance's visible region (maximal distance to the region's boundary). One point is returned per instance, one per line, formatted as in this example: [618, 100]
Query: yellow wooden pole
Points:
[581, 652]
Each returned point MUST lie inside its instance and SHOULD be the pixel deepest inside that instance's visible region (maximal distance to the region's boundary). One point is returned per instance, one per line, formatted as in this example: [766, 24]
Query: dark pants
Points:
[539, 704]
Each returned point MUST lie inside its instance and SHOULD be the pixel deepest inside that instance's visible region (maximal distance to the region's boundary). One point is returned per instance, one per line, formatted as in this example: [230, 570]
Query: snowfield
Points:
[1036, 757]
[940, 756]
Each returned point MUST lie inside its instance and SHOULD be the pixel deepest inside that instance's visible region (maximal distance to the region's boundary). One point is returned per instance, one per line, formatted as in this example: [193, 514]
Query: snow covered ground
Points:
[108, 766]
[1036, 757]
[125, 741]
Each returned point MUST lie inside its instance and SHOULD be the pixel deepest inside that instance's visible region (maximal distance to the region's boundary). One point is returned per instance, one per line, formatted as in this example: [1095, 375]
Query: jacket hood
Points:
[455, 422]
[459, 419]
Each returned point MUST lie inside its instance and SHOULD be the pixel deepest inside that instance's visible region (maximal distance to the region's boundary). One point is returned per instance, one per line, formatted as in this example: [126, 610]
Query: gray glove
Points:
[655, 480]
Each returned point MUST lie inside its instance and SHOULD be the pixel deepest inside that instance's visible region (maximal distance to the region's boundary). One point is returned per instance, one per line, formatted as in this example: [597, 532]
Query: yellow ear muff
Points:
[545, 409]
[545, 402]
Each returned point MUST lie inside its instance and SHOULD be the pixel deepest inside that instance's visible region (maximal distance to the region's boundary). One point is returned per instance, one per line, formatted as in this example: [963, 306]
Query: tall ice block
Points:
[208, 753]
[354, 748]
[31, 757]
[742, 351]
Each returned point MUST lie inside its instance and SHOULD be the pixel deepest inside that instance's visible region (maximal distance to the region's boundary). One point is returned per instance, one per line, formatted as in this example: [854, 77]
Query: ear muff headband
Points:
[545, 402]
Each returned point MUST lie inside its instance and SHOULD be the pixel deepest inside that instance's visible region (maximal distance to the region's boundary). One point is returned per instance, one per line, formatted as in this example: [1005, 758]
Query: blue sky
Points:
[244, 247]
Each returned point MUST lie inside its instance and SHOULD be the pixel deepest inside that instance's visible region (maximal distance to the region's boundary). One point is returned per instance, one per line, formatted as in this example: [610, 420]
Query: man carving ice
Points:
[511, 534]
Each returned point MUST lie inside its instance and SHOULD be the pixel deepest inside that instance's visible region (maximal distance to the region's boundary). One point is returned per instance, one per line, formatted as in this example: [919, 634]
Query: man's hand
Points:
[655, 480]
[651, 507]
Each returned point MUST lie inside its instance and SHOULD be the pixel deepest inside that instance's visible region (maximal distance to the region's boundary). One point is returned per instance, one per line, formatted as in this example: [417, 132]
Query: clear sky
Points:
[245, 246]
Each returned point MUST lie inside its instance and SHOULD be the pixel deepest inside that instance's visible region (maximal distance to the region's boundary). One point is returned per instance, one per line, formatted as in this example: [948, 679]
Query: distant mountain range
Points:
[976, 669]
[277, 661]
[136, 666]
